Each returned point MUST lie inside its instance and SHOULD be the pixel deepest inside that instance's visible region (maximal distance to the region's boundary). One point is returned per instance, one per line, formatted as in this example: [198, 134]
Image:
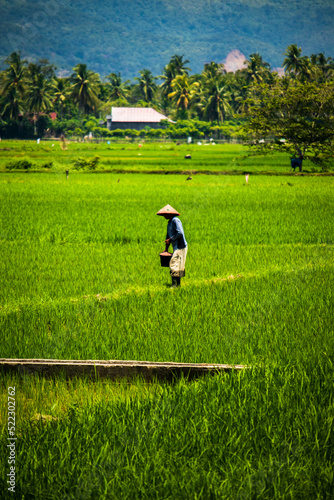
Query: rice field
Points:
[81, 279]
[143, 157]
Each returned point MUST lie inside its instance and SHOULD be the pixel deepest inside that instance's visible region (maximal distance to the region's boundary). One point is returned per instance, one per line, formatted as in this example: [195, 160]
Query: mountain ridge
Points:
[126, 37]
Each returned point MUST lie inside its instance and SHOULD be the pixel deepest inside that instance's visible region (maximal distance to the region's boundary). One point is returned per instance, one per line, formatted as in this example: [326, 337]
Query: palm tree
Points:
[307, 71]
[184, 91]
[116, 88]
[257, 71]
[236, 85]
[147, 86]
[323, 66]
[178, 65]
[213, 70]
[168, 77]
[11, 104]
[85, 87]
[13, 85]
[15, 75]
[175, 67]
[297, 65]
[38, 95]
[215, 98]
[34, 72]
[60, 93]
[292, 62]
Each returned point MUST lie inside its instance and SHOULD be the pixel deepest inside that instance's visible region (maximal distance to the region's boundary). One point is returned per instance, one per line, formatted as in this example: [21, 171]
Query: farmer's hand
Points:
[168, 241]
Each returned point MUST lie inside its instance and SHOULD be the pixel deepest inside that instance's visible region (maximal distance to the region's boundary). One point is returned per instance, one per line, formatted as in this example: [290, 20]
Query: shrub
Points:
[22, 164]
[131, 132]
[48, 164]
[90, 124]
[178, 133]
[81, 163]
[77, 131]
[64, 126]
[154, 132]
[118, 132]
[100, 132]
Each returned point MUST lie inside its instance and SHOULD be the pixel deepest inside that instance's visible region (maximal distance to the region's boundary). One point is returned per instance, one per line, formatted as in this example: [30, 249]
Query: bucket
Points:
[165, 258]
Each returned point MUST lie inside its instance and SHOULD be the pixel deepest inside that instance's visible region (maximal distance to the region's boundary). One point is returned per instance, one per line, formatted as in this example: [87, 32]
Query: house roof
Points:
[141, 115]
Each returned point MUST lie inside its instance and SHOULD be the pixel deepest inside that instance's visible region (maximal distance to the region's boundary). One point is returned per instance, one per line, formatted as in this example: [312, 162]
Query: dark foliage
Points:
[120, 36]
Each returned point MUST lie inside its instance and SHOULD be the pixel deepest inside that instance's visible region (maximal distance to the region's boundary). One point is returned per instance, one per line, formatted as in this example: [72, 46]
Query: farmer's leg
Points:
[174, 266]
[177, 264]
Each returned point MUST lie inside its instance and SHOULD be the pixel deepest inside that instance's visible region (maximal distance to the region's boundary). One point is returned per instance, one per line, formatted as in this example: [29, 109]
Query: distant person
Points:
[175, 236]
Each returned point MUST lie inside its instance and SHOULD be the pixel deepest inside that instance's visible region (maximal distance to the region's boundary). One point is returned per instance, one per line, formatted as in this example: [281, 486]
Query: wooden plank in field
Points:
[112, 369]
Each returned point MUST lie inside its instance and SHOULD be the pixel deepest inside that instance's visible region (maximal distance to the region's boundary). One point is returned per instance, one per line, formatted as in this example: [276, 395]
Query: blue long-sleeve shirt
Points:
[176, 234]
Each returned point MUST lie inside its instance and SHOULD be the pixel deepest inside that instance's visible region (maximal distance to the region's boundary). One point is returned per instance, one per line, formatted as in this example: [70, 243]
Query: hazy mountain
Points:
[129, 35]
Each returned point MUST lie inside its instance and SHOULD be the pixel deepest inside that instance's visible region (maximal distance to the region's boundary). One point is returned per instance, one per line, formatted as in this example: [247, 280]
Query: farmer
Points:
[175, 236]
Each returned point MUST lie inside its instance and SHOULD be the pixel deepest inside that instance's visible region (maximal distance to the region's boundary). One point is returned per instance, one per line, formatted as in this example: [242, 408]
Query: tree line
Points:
[30, 91]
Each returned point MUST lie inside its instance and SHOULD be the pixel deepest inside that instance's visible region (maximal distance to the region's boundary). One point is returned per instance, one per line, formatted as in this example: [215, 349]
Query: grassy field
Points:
[144, 157]
[81, 279]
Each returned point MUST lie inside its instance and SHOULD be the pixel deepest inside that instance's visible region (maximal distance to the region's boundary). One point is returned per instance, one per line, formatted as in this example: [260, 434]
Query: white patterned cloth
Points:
[177, 263]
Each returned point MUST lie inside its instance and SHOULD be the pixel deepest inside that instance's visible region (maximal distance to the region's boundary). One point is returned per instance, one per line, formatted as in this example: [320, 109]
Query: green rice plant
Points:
[238, 321]
[258, 257]
[263, 433]
[81, 279]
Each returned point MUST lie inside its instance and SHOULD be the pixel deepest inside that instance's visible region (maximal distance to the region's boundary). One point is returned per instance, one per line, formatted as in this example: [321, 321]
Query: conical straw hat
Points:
[167, 210]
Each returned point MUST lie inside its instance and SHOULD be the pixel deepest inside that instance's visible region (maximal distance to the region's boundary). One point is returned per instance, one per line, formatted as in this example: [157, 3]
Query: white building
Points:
[134, 118]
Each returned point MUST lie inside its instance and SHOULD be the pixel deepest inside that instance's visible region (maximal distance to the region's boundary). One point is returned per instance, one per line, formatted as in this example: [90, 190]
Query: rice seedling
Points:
[81, 279]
